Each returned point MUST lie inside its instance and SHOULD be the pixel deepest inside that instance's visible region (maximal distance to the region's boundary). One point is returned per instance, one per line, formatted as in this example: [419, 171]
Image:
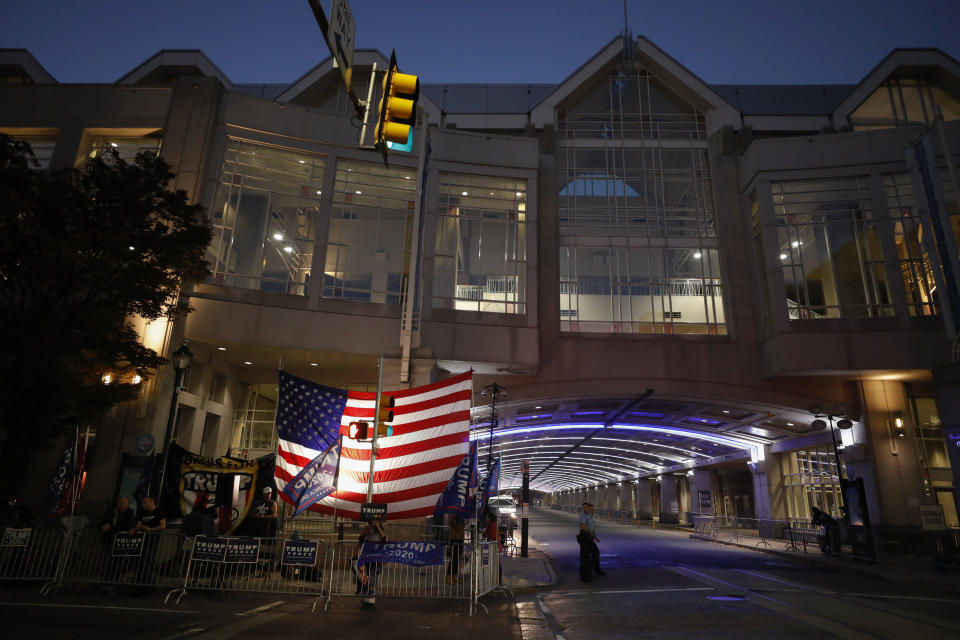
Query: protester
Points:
[587, 538]
[265, 515]
[456, 549]
[150, 520]
[828, 528]
[492, 533]
[373, 533]
[120, 518]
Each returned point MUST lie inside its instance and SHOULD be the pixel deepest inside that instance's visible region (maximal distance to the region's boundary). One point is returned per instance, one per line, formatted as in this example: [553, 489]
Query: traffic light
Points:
[397, 111]
[358, 430]
[387, 403]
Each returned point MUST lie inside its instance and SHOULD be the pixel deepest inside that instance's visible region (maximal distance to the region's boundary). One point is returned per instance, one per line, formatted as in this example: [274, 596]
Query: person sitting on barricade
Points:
[455, 549]
[119, 519]
[264, 525]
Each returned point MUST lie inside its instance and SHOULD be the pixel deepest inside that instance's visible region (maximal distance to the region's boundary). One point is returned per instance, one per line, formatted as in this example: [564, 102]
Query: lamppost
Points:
[181, 362]
[494, 391]
[842, 423]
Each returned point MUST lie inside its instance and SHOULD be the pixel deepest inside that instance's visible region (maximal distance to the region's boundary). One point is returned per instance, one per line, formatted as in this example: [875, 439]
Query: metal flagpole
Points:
[373, 441]
[336, 483]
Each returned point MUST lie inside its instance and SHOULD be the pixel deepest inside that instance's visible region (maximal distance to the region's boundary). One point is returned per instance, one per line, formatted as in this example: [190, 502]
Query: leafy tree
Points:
[81, 252]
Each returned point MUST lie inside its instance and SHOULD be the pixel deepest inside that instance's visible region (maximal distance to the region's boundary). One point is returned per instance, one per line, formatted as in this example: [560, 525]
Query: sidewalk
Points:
[533, 571]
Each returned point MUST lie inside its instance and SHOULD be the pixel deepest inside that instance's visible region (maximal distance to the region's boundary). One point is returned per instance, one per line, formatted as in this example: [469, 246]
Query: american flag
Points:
[431, 430]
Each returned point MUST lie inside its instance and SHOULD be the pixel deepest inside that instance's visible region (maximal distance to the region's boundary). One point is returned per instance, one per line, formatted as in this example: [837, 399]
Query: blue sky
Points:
[736, 41]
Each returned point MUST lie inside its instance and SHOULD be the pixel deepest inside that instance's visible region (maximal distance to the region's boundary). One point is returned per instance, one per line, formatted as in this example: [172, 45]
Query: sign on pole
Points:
[373, 510]
[340, 38]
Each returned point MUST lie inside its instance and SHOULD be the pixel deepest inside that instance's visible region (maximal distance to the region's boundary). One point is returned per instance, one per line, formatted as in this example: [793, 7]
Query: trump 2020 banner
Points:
[229, 485]
[414, 554]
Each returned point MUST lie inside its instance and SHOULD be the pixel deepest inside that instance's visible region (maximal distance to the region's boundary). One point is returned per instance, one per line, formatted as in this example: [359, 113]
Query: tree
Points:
[82, 251]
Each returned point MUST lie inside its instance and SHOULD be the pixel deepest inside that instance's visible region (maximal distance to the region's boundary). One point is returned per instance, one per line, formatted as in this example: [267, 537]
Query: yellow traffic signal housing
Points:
[387, 403]
[398, 113]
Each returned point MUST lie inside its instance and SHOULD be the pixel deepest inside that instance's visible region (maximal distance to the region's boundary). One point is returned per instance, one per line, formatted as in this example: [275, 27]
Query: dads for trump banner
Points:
[204, 483]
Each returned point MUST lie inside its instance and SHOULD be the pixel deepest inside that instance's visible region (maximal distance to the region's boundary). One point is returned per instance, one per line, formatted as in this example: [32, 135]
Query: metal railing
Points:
[292, 565]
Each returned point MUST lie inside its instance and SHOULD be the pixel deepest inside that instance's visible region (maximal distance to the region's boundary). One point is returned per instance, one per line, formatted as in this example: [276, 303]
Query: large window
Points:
[368, 244]
[639, 250]
[902, 102]
[829, 249]
[810, 480]
[264, 218]
[618, 191]
[480, 257]
[652, 290]
[126, 147]
[914, 262]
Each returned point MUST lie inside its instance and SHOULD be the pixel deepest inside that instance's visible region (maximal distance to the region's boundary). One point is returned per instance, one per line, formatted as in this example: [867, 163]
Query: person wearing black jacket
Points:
[120, 518]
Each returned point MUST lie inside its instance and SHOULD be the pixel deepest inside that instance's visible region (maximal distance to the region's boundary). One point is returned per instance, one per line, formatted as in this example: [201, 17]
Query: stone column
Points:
[644, 500]
[669, 500]
[761, 487]
[701, 481]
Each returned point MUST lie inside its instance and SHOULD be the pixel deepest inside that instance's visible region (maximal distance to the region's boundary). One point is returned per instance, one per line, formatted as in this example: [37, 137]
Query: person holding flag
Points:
[459, 502]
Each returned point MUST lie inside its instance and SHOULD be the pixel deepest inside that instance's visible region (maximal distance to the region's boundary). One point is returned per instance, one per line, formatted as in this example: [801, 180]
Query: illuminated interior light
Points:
[697, 255]
[114, 145]
[303, 162]
[464, 193]
[313, 364]
[131, 248]
[136, 380]
[795, 243]
[319, 193]
[247, 362]
[278, 236]
[783, 256]
[288, 249]
[221, 348]
[519, 194]
[406, 177]
[107, 378]
[358, 192]
[789, 424]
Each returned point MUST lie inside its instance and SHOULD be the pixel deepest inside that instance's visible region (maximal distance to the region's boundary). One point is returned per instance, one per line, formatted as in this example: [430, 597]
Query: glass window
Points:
[264, 218]
[652, 290]
[633, 104]
[480, 258]
[829, 249]
[126, 147]
[900, 102]
[42, 147]
[368, 244]
[908, 236]
[810, 480]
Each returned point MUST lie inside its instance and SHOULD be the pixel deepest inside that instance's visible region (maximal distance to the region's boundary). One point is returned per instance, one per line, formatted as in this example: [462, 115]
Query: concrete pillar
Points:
[626, 496]
[644, 500]
[761, 487]
[701, 492]
[669, 500]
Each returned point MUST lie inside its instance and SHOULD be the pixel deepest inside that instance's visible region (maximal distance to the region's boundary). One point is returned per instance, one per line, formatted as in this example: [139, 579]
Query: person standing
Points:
[491, 532]
[373, 533]
[589, 552]
[151, 521]
[456, 549]
[265, 515]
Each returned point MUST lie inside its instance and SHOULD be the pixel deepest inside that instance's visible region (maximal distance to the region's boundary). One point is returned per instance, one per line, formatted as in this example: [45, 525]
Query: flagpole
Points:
[373, 441]
[336, 484]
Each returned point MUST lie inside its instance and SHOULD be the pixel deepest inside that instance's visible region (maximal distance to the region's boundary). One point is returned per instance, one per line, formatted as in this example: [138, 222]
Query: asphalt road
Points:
[662, 584]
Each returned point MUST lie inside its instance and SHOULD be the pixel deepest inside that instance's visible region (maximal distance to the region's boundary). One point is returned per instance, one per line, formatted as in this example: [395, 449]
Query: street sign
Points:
[340, 37]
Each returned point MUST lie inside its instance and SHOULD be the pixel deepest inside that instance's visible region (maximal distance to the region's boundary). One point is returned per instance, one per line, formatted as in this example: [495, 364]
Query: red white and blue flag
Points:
[431, 432]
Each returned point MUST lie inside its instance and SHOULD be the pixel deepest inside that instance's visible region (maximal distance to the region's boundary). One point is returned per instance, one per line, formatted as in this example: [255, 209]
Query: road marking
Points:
[261, 608]
[618, 591]
[93, 606]
[828, 592]
[184, 634]
[837, 628]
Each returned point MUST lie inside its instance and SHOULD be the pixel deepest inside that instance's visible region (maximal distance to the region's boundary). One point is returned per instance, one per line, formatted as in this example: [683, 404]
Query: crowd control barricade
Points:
[30, 553]
[144, 559]
[344, 578]
[253, 565]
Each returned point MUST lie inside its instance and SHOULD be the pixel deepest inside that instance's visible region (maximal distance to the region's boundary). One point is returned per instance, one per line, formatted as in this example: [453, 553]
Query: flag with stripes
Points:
[431, 432]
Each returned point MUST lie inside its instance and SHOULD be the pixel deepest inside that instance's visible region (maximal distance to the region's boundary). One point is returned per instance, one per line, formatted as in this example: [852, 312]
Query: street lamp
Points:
[494, 391]
[842, 423]
[181, 362]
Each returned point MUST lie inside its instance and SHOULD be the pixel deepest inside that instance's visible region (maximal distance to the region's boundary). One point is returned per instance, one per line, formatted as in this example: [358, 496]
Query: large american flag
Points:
[431, 430]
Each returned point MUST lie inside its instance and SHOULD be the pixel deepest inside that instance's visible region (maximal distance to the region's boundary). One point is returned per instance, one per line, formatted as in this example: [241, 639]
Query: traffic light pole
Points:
[373, 440]
[366, 105]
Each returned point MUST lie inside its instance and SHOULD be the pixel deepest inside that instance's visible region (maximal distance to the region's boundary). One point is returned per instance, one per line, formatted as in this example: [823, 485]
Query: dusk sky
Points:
[736, 41]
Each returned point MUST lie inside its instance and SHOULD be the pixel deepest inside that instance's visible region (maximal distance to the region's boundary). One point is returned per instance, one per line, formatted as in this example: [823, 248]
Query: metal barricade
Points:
[31, 553]
[149, 559]
[253, 565]
[705, 526]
